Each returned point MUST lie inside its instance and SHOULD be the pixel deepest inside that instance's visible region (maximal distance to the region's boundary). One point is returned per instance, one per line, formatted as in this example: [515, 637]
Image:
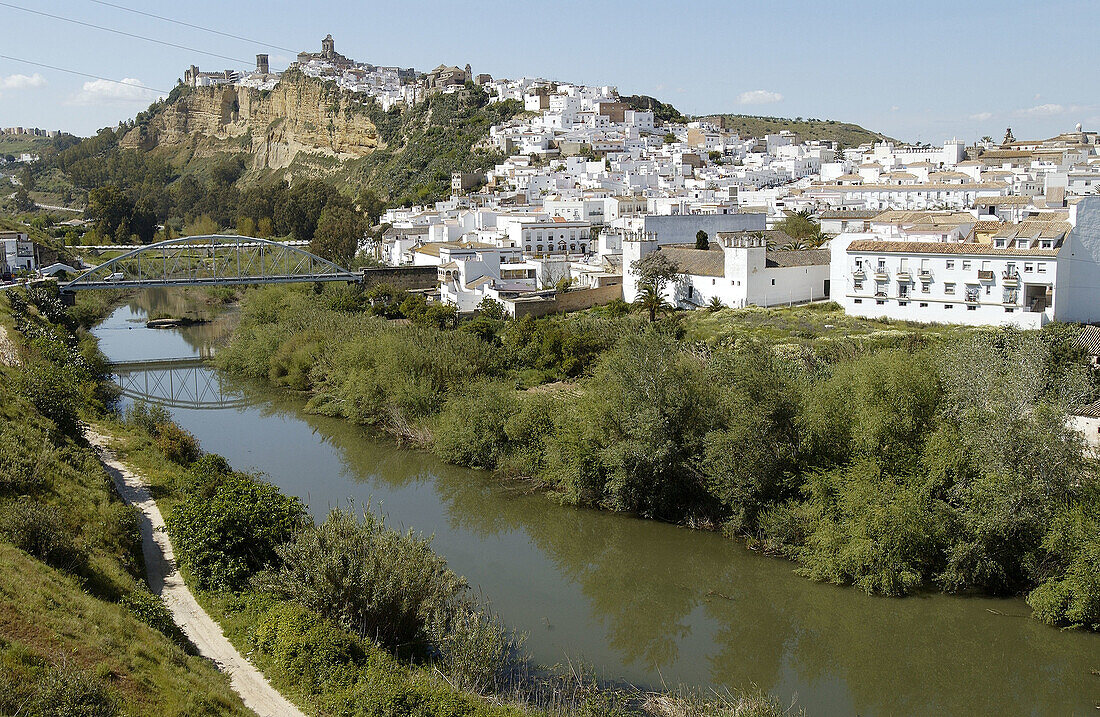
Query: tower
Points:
[261, 64]
[1009, 139]
[328, 47]
[469, 73]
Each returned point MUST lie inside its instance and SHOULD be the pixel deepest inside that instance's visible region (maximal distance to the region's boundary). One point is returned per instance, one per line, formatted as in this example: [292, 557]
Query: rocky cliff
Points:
[301, 114]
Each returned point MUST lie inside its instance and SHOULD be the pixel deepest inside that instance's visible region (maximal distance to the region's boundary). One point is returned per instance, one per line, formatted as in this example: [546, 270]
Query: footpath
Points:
[165, 580]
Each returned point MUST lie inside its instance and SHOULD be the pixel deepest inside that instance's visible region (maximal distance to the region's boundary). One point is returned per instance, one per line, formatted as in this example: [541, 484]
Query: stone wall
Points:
[564, 302]
[402, 278]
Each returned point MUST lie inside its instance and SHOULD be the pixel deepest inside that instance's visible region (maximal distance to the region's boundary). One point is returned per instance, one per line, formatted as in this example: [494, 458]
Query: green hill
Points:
[848, 134]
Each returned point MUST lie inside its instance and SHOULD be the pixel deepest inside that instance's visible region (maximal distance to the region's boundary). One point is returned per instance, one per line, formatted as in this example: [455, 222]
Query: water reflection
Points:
[648, 602]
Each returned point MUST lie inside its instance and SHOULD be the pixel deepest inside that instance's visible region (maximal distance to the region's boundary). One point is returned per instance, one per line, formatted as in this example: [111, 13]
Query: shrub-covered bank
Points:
[350, 617]
[79, 632]
[895, 462]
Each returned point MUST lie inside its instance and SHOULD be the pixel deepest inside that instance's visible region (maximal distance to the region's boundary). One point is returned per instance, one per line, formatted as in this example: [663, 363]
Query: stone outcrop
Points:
[301, 114]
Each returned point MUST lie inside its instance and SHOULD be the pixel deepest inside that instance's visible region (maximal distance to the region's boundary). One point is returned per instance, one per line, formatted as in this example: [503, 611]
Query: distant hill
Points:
[848, 134]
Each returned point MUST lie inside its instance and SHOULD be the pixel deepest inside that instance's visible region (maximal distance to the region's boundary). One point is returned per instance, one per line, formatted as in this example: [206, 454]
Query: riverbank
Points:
[870, 461]
[691, 608]
[342, 667]
[79, 630]
[165, 582]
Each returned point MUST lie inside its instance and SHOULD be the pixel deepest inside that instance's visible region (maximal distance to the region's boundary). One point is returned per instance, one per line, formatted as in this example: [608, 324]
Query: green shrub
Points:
[469, 431]
[152, 610]
[41, 531]
[227, 537]
[381, 584]
[55, 392]
[32, 687]
[177, 445]
[1069, 592]
[26, 455]
[148, 418]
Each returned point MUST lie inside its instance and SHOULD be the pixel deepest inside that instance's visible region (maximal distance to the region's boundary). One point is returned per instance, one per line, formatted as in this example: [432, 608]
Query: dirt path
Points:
[9, 355]
[165, 580]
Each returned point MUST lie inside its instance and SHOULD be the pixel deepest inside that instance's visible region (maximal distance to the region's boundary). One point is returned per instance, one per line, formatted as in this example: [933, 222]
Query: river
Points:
[639, 601]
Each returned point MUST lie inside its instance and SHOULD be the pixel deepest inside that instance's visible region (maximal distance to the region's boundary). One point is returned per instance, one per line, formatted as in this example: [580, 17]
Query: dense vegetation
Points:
[79, 632]
[896, 463]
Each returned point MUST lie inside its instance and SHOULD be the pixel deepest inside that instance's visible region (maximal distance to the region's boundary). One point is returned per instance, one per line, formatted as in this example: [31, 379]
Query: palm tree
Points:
[651, 300]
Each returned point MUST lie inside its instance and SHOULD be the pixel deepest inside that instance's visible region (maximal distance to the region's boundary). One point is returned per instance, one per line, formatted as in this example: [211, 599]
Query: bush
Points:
[41, 531]
[227, 537]
[177, 445]
[470, 428]
[381, 584]
[148, 418]
[55, 392]
[475, 648]
[152, 610]
[39, 689]
[25, 457]
[1069, 596]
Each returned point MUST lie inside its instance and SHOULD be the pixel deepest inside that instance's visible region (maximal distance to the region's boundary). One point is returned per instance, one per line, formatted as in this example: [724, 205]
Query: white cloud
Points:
[981, 116]
[894, 108]
[1046, 110]
[126, 91]
[20, 82]
[759, 97]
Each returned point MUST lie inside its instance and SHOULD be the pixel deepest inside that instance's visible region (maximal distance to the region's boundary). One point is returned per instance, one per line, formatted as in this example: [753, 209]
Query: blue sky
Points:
[919, 71]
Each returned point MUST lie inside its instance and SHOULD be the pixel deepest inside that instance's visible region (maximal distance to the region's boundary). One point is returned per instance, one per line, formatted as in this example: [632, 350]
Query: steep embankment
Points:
[301, 114]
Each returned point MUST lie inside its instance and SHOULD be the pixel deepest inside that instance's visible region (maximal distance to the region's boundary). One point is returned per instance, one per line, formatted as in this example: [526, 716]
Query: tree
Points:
[702, 241]
[370, 205]
[339, 231]
[650, 300]
[109, 208]
[23, 201]
[654, 271]
[490, 308]
[800, 225]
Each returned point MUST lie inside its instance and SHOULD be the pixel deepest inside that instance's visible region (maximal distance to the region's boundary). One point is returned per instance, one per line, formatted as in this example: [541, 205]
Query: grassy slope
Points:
[848, 134]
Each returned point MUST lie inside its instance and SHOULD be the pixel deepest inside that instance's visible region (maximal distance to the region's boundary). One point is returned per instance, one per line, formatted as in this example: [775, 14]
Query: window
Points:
[950, 263]
[539, 248]
[988, 289]
[691, 291]
[948, 306]
[923, 304]
[926, 288]
[985, 266]
[857, 301]
[773, 282]
[966, 265]
[1009, 310]
[880, 302]
[858, 285]
[1028, 267]
[972, 307]
[949, 288]
[1042, 267]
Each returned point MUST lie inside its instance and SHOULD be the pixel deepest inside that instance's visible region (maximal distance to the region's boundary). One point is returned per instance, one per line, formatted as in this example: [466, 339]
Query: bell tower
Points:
[328, 47]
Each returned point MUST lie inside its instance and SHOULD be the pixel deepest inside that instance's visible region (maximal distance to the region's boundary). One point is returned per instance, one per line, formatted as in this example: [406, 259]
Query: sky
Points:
[923, 71]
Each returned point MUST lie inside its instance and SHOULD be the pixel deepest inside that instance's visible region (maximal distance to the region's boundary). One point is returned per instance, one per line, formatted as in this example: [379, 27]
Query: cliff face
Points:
[301, 114]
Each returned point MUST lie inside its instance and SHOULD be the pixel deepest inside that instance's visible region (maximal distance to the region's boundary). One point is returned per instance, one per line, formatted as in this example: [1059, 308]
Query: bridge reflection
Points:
[176, 383]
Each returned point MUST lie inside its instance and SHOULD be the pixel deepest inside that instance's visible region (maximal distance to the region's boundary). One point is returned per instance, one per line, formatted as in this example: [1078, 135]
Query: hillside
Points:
[848, 134]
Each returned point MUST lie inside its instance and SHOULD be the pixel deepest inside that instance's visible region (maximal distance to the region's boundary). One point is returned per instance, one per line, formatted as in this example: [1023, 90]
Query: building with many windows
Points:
[1026, 274]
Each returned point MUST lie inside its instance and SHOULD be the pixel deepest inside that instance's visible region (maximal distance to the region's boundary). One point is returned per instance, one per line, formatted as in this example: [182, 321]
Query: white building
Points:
[1027, 275]
[17, 254]
[738, 269]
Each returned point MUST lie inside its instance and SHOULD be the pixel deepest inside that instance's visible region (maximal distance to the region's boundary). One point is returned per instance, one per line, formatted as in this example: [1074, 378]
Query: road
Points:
[165, 580]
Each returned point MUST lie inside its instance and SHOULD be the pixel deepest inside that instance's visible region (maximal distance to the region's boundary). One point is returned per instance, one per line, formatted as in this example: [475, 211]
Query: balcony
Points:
[985, 275]
[972, 297]
[925, 275]
[859, 273]
[904, 275]
[1011, 278]
[881, 274]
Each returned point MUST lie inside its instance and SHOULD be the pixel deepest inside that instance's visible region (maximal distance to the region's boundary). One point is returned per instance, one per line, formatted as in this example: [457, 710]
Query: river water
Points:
[639, 601]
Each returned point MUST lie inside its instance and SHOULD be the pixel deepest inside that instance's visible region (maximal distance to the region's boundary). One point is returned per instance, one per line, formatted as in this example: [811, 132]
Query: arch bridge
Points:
[212, 260]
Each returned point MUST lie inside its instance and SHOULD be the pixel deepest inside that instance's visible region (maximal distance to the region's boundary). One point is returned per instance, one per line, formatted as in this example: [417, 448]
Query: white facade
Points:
[17, 254]
[738, 270]
[1027, 279]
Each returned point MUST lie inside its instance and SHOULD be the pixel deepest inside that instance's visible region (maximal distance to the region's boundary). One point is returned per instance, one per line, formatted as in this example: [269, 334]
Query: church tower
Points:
[328, 47]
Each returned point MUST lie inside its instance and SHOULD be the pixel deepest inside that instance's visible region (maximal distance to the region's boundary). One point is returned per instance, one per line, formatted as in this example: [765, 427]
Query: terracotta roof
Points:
[697, 262]
[998, 201]
[910, 187]
[1089, 339]
[804, 257]
[936, 247]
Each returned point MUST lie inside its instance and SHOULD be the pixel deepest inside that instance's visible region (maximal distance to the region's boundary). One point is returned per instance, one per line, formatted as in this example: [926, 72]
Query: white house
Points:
[738, 269]
[17, 254]
[1027, 275]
